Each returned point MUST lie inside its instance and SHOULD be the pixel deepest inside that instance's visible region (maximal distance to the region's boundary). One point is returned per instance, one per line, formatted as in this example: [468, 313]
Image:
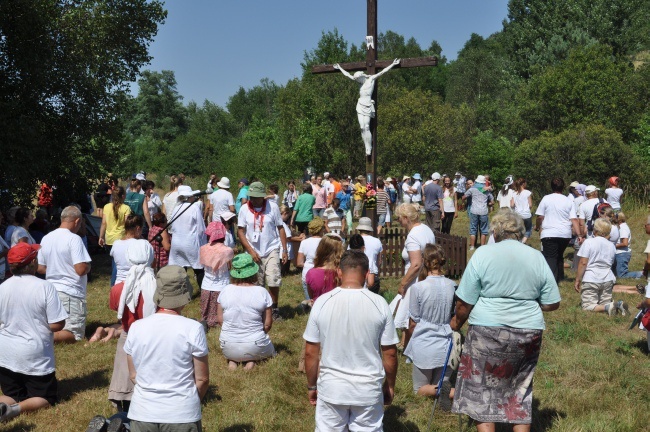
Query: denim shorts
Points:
[477, 222]
[382, 219]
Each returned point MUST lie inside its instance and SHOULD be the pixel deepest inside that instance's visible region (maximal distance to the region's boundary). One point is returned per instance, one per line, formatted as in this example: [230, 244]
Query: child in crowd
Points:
[594, 277]
[322, 277]
[429, 335]
[215, 257]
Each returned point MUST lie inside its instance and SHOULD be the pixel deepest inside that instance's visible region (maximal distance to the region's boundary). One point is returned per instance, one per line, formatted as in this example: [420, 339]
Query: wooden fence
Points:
[455, 248]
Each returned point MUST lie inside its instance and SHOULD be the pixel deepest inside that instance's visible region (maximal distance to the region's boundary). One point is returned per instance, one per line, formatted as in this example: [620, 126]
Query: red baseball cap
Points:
[22, 254]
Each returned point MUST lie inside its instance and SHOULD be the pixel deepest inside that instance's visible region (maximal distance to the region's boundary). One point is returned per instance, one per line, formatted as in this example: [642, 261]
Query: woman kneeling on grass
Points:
[594, 278]
[215, 258]
[244, 312]
[430, 307]
[504, 290]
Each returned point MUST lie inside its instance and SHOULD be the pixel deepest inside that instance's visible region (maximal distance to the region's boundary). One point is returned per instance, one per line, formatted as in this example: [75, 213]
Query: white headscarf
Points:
[140, 279]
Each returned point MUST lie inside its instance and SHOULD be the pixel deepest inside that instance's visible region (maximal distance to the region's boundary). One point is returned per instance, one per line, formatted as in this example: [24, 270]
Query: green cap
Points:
[243, 266]
[257, 190]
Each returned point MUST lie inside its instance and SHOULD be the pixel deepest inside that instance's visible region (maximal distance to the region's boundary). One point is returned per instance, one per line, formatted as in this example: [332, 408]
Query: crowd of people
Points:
[350, 354]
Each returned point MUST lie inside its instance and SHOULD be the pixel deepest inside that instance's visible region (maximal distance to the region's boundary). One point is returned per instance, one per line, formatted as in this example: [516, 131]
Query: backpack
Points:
[599, 208]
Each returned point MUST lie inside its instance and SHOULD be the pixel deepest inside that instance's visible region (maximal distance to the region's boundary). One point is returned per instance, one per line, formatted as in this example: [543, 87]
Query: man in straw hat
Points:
[261, 233]
[354, 330]
[30, 311]
[167, 356]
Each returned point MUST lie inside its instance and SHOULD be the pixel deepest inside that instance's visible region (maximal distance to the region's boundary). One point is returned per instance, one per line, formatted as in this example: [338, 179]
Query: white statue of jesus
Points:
[365, 105]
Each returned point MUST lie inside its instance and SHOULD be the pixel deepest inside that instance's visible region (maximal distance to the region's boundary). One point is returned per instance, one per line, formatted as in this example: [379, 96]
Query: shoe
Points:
[276, 315]
[612, 309]
[4, 408]
[116, 425]
[640, 288]
[304, 305]
[471, 248]
[622, 307]
[97, 424]
[443, 397]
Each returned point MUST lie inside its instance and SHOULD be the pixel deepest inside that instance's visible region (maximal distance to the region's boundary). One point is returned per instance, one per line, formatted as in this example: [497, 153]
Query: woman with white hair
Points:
[418, 236]
[504, 290]
[188, 232]
[132, 299]
[594, 278]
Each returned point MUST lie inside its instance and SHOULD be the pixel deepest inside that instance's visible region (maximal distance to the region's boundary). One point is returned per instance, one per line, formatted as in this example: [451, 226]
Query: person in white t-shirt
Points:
[594, 278]
[419, 235]
[586, 209]
[614, 194]
[215, 257]
[416, 198]
[307, 249]
[261, 233]
[30, 311]
[522, 202]
[221, 200]
[372, 249]
[154, 202]
[132, 233]
[23, 219]
[167, 355]
[556, 217]
[244, 312]
[624, 250]
[347, 384]
[65, 262]
[506, 193]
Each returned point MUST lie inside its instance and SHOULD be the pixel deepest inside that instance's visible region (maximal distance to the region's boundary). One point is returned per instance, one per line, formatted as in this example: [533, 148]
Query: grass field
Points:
[593, 374]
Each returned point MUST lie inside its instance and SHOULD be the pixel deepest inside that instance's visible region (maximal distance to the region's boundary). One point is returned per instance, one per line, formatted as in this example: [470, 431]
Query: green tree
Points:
[542, 33]
[63, 83]
[591, 86]
[257, 102]
[491, 153]
[590, 153]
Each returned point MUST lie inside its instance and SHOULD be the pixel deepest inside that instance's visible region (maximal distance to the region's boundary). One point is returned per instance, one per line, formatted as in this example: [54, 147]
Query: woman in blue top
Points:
[504, 290]
[430, 307]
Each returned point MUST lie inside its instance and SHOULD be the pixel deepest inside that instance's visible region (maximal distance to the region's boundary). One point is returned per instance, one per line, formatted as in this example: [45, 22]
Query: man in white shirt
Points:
[354, 330]
[221, 200]
[416, 199]
[261, 232]
[30, 311]
[586, 210]
[65, 262]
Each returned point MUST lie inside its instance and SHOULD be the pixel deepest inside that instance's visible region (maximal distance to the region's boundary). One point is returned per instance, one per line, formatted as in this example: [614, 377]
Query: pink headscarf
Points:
[215, 255]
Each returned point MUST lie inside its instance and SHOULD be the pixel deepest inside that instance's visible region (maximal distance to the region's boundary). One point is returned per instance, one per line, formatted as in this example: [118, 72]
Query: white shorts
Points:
[248, 351]
[331, 417]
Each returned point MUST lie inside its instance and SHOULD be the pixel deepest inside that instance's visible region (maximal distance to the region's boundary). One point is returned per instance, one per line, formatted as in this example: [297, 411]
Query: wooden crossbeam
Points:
[379, 64]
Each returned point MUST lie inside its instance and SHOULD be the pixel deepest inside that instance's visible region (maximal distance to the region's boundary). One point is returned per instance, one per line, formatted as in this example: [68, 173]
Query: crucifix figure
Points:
[365, 105]
[368, 93]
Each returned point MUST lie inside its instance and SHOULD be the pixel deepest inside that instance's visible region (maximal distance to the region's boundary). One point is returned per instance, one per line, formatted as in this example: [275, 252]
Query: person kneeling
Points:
[244, 311]
[30, 312]
[594, 278]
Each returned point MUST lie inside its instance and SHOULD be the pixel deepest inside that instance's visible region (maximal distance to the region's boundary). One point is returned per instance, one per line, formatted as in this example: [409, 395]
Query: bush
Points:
[588, 154]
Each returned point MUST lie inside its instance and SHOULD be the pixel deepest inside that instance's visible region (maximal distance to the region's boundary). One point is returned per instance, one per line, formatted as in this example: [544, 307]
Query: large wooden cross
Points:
[371, 66]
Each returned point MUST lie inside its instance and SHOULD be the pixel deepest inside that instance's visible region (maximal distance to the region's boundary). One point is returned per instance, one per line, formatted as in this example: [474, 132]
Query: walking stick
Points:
[442, 378]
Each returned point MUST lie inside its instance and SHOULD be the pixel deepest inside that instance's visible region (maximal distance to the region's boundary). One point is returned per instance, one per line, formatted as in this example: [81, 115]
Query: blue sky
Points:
[216, 46]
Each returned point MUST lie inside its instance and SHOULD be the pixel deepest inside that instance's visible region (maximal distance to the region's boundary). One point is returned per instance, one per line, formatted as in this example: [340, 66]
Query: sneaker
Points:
[611, 309]
[3, 412]
[443, 397]
[304, 305]
[622, 307]
[116, 425]
[97, 424]
[640, 288]
[276, 315]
